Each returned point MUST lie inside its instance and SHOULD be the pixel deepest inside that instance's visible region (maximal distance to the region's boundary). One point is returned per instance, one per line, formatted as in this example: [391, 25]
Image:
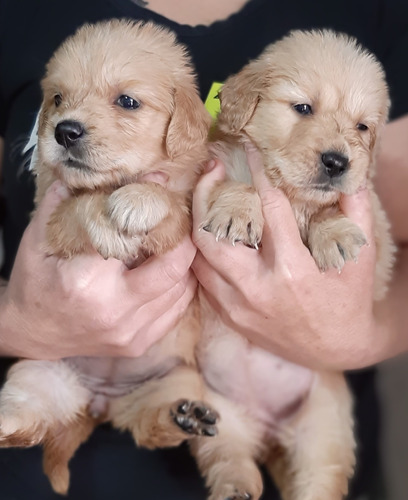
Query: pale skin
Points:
[193, 12]
[278, 298]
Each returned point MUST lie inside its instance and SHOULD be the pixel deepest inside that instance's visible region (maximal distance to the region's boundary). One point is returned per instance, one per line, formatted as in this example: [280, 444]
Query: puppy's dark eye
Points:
[303, 109]
[57, 99]
[362, 127]
[127, 102]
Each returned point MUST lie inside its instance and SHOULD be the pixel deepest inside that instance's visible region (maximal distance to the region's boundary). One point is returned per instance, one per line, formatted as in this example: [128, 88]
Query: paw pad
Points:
[195, 417]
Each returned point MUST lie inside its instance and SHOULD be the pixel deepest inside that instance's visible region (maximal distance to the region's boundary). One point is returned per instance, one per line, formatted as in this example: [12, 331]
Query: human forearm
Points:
[391, 180]
[391, 315]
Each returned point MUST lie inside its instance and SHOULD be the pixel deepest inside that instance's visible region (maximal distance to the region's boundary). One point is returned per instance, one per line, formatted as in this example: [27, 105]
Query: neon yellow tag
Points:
[212, 103]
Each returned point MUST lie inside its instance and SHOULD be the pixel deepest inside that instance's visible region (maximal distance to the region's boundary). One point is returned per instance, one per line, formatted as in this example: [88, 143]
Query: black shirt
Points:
[30, 30]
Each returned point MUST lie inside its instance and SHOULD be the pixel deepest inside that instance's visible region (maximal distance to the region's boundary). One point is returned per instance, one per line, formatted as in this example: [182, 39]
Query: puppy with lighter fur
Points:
[120, 109]
[314, 104]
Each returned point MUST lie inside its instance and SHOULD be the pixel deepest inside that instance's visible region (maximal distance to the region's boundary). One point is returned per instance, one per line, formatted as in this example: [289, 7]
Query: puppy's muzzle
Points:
[334, 164]
[68, 133]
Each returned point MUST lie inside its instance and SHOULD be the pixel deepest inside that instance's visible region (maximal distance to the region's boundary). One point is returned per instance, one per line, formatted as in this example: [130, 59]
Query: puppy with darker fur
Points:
[314, 104]
[120, 105]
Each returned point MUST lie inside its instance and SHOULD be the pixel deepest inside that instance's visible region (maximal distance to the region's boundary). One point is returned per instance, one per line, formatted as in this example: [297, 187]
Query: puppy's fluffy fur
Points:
[314, 104]
[120, 104]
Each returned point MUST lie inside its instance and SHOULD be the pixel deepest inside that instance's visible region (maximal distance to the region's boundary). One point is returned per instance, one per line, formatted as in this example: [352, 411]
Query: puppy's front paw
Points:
[111, 243]
[235, 215]
[137, 208]
[332, 242]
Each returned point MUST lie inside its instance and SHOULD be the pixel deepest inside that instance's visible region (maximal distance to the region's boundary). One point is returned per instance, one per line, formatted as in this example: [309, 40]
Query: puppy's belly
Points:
[114, 377]
[270, 388]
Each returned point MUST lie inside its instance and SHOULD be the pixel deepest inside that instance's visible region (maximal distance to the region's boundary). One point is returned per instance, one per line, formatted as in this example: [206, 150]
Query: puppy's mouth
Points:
[76, 164]
[323, 191]
[324, 187]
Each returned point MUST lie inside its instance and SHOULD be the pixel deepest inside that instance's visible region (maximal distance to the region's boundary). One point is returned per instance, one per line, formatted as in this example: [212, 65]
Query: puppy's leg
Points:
[37, 397]
[228, 460]
[60, 444]
[165, 412]
[158, 215]
[333, 241]
[235, 213]
[319, 445]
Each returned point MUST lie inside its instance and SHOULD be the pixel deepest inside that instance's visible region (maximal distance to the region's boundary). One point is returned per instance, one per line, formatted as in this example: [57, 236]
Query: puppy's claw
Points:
[341, 251]
[228, 227]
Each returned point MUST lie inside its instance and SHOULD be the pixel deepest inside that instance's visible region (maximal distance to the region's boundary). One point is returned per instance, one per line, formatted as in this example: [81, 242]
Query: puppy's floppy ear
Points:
[377, 131]
[189, 123]
[240, 96]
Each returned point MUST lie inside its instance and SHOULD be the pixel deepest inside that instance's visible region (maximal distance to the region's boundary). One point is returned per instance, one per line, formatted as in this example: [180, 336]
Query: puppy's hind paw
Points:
[240, 496]
[229, 492]
[195, 417]
[59, 478]
[19, 439]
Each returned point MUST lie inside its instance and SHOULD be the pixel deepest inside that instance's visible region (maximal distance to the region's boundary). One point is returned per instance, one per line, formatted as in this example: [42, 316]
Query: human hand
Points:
[276, 296]
[56, 308]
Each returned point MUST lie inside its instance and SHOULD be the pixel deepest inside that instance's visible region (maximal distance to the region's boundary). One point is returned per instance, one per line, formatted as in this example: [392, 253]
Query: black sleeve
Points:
[2, 116]
[2, 101]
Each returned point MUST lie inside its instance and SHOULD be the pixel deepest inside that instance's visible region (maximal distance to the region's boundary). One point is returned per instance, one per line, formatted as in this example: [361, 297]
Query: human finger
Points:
[159, 274]
[177, 306]
[281, 237]
[214, 172]
[226, 286]
[358, 207]
[56, 193]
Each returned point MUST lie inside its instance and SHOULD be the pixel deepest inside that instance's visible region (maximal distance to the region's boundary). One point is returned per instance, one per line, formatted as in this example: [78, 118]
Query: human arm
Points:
[54, 308]
[279, 299]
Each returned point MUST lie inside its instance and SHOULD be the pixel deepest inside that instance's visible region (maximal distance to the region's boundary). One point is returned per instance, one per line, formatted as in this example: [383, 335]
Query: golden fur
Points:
[104, 153]
[310, 451]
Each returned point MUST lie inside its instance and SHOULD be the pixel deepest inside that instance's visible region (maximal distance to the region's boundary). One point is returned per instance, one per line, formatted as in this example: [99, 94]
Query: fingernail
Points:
[210, 165]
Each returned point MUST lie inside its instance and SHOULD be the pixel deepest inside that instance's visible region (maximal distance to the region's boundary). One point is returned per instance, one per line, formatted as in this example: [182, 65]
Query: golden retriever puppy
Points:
[314, 104]
[120, 103]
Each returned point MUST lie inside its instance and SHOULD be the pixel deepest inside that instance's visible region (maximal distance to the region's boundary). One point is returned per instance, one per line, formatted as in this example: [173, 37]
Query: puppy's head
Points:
[119, 100]
[313, 103]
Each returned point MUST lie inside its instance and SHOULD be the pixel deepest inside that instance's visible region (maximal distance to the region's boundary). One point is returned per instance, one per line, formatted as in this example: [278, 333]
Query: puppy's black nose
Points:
[68, 132]
[335, 164]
